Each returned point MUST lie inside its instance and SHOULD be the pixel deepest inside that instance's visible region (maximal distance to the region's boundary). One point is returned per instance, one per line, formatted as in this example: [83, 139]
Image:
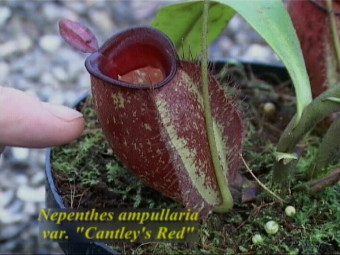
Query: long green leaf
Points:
[271, 20]
[183, 24]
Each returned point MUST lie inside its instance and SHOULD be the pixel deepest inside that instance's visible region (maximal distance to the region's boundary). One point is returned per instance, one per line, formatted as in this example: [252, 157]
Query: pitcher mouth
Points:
[139, 48]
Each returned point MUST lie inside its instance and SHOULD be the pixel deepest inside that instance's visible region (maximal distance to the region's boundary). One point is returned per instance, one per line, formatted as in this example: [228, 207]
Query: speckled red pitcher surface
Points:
[150, 106]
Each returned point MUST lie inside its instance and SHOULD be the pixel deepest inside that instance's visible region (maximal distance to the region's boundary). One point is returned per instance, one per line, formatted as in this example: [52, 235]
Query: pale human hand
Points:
[25, 121]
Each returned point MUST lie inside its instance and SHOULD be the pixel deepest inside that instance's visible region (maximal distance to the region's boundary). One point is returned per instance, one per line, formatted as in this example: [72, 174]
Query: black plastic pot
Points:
[54, 199]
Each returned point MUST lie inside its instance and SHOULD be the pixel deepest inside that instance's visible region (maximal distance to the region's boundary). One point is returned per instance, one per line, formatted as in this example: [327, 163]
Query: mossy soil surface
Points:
[89, 176]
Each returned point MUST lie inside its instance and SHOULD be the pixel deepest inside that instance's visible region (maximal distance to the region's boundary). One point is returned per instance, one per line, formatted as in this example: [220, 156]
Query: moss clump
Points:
[89, 175]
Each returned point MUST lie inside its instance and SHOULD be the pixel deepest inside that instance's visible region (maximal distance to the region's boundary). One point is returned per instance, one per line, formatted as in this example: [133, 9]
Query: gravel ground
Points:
[34, 59]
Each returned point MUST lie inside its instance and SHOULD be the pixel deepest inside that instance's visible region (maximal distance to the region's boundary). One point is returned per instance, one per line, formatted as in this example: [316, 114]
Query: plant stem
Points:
[260, 183]
[320, 184]
[227, 200]
[328, 150]
[334, 30]
[319, 109]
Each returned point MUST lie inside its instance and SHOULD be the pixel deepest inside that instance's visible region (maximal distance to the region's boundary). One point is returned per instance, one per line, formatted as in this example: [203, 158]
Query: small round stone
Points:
[20, 154]
[50, 43]
[271, 227]
[257, 239]
[269, 108]
[38, 179]
[255, 52]
[4, 72]
[30, 194]
[5, 14]
[24, 43]
[47, 79]
[290, 211]
[60, 74]
[7, 197]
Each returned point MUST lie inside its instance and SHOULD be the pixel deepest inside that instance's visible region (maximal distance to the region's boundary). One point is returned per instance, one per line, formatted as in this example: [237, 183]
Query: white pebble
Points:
[6, 197]
[50, 43]
[30, 209]
[4, 72]
[83, 81]
[19, 45]
[225, 44]
[290, 211]
[51, 11]
[235, 23]
[54, 12]
[19, 179]
[7, 217]
[71, 96]
[8, 48]
[5, 14]
[72, 62]
[29, 194]
[271, 227]
[60, 74]
[15, 207]
[48, 79]
[57, 98]
[78, 7]
[257, 52]
[144, 11]
[102, 20]
[257, 239]
[24, 43]
[38, 178]
[20, 154]
[269, 108]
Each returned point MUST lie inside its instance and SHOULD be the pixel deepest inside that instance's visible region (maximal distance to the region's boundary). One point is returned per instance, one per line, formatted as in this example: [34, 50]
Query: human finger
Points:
[25, 121]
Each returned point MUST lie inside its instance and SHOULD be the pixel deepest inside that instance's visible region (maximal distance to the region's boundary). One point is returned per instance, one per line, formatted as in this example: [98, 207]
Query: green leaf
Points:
[183, 24]
[271, 20]
[286, 157]
[333, 99]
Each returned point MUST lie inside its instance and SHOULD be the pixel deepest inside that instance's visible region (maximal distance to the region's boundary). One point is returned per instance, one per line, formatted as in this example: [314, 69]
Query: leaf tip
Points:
[78, 36]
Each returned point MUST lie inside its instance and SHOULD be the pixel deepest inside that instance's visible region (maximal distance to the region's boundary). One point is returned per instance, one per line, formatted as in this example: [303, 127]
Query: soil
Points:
[89, 176]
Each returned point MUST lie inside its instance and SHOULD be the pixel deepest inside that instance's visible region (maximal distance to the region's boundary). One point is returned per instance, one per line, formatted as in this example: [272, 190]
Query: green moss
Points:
[78, 161]
[90, 165]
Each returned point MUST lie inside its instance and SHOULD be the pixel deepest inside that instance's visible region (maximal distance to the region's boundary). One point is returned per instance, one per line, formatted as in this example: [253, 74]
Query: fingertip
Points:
[27, 122]
[62, 112]
[70, 130]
